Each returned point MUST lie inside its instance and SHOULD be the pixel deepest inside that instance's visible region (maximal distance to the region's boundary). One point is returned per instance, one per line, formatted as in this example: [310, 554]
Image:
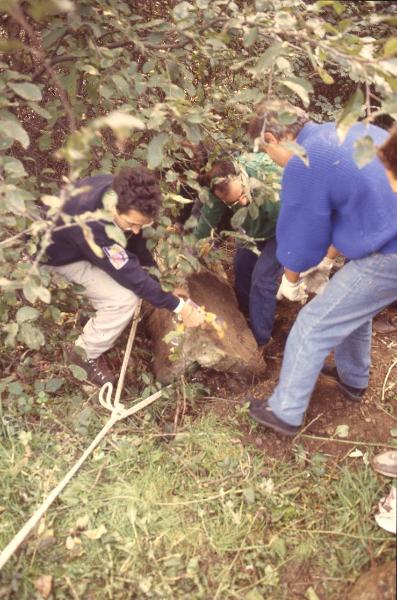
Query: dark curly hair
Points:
[220, 168]
[388, 152]
[137, 188]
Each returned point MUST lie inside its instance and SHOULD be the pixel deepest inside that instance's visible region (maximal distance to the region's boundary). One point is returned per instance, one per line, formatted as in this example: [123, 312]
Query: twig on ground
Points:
[352, 442]
[394, 363]
[343, 533]
[300, 433]
[70, 585]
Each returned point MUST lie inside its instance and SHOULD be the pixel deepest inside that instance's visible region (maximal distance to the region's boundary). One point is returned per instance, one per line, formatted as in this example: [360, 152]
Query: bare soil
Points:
[367, 420]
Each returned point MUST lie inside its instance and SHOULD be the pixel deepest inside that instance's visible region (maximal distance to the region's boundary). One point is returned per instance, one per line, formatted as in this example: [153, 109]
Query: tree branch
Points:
[37, 50]
[54, 60]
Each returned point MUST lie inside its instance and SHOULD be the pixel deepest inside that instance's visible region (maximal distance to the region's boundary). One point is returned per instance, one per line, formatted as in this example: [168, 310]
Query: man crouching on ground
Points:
[115, 279]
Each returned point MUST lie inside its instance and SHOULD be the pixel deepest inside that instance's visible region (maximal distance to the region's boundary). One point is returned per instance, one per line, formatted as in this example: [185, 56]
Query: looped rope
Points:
[118, 412]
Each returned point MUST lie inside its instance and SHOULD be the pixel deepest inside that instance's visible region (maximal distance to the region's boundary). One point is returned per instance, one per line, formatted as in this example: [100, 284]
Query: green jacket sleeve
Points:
[258, 165]
[210, 216]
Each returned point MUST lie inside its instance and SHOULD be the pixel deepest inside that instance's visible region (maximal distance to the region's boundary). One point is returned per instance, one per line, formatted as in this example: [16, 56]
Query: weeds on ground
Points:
[188, 514]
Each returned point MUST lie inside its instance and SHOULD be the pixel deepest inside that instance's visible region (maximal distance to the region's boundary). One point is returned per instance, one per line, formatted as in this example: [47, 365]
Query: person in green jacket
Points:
[248, 187]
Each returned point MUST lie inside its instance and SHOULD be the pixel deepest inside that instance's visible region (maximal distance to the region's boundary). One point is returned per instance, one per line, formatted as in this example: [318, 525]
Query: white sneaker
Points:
[387, 516]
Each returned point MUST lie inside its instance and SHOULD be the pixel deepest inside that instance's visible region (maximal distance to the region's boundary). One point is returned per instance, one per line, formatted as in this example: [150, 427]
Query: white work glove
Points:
[296, 292]
[317, 277]
[191, 314]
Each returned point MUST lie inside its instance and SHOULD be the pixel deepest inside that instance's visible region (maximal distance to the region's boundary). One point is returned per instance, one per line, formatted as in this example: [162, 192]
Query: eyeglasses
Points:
[235, 202]
[129, 224]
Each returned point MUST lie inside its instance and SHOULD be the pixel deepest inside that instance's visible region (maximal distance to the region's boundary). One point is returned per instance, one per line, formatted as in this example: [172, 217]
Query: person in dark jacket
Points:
[84, 250]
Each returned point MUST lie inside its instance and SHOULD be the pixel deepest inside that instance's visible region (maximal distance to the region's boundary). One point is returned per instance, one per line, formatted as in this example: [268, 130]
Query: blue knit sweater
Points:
[333, 201]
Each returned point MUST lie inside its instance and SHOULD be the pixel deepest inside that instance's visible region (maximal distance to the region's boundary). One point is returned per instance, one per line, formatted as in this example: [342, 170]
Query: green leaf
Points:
[13, 167]
[364, 151]
[95, 534]
[25, 90]
[239, 217]
[268, 57]
[155, 150]
[299, 86]
[89, 238]
[43, 294]
[247, 95]
[12, 330]
[54, 384]
[253, 211]
[31, 336]
[390, 66]
[78, 372]
[335, 4]
[182, 10]
[14, 131]
[350, 114]
[325, 76]
[89, 69]
[249, 495]
[116, 234]
[393, 432]
[177, 198]
[27, 313]
[390, 48]
[121, 84]
[40, 9]
[250, 37]
[121, 123]
[32, 290]
[342, 431]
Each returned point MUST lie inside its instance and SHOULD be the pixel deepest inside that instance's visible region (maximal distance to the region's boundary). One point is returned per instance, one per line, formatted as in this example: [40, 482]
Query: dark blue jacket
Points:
[69, 245]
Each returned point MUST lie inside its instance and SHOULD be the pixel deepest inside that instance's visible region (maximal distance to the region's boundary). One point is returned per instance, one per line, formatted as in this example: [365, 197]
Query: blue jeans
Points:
[339, 319]
[256, 284]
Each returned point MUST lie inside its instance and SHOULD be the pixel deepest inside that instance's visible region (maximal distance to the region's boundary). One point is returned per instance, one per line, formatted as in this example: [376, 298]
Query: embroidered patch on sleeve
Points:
[117, 256]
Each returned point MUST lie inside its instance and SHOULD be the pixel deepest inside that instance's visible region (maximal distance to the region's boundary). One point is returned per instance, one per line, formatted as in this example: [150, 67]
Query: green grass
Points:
[197, 515]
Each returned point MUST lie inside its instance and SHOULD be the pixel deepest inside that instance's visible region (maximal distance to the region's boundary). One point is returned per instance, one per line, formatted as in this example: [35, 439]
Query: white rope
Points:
[118, 412]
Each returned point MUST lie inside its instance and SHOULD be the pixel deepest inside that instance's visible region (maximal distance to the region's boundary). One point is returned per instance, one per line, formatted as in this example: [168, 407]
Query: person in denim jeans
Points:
[248, 184]
[328, 200]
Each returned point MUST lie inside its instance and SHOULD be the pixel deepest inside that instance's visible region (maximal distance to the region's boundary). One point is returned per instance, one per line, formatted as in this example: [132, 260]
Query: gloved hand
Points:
[324, 266]
[191, 314]
[296, 292]
[317, 277]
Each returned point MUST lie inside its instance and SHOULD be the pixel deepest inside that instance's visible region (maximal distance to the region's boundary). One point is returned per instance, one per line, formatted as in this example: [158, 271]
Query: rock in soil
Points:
[378, 583]
[236, 352]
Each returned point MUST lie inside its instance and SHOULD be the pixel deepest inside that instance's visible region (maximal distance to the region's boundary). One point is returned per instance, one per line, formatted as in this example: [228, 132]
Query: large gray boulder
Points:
[235, 352]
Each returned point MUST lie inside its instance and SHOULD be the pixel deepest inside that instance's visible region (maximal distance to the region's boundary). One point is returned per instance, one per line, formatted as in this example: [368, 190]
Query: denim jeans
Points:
[339, 319]
[256, 284]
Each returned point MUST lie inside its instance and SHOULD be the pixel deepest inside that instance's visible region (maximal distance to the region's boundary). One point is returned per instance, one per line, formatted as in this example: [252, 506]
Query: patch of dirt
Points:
[378, 583]
[367, 420]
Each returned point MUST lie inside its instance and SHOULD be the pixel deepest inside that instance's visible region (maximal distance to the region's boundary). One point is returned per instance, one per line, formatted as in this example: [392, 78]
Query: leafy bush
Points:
[91, 86]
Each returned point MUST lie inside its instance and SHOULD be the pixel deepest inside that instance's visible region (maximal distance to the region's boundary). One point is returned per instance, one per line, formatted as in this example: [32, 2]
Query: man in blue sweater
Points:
[111, 272]
[329, 201]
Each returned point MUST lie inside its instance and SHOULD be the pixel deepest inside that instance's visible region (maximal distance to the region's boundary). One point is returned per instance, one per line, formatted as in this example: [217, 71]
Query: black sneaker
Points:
[95, 374]
[349, 391]
[262, 413]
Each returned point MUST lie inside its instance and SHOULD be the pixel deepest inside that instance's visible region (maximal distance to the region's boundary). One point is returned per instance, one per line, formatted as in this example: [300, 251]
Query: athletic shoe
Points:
[262, 413]
[95, 374]
[349, 391]
[386, 463]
